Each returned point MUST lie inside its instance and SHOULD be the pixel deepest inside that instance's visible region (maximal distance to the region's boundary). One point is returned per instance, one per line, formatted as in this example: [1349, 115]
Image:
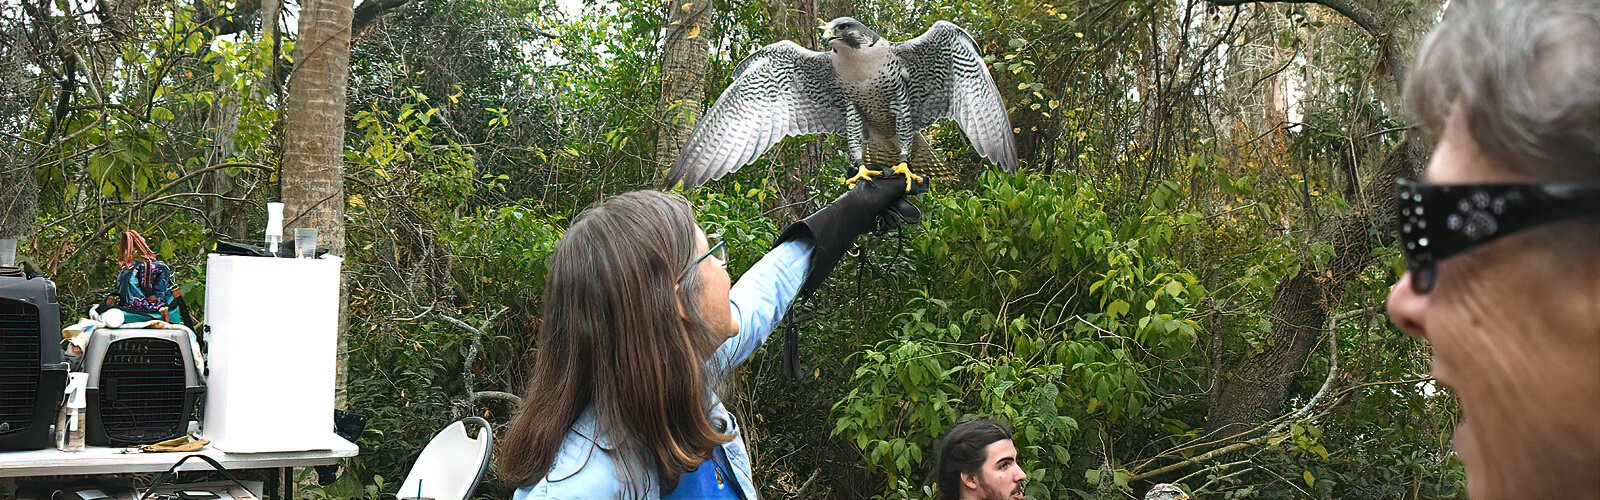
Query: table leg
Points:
[272, 484]
[288, 483]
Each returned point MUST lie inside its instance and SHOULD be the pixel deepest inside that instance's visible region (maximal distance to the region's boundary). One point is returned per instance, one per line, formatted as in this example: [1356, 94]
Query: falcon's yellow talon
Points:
[911, 178]
[862, 173]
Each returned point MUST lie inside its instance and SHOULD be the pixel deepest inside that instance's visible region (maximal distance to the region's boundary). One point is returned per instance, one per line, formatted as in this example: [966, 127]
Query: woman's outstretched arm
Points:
[761, 297]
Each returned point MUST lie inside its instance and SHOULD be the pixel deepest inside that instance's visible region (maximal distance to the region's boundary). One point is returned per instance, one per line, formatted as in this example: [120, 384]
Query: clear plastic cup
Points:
[8, 251]
[305, 242]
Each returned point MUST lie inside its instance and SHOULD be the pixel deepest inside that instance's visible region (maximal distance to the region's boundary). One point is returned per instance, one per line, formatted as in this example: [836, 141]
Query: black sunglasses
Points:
[719, 249]
[1438, 221]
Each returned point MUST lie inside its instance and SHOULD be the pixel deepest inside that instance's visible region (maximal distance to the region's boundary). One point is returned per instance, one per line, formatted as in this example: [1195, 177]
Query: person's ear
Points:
[677, 302]
[969, 480]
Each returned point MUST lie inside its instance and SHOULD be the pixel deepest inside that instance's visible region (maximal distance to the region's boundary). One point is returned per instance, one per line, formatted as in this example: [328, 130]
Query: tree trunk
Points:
[802, 16]
[221, 121]
[687, 43]
[19, 200]
[1256, 388]
[1260, 384]
[19, 160]
[313, 168]
[271, 11]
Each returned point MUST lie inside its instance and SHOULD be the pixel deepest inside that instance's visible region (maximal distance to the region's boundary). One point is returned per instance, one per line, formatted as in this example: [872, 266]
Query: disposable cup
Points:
[8, 251]
[305, 242]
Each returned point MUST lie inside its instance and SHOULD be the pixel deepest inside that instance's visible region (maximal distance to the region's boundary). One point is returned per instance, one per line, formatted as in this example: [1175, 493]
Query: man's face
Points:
[1000, 478]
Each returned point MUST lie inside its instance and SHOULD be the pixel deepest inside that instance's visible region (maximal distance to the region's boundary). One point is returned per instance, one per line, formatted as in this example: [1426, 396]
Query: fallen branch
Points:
[1333, 362]
[806, 486]
[1274, 427]
[508, 398]
[1203, 457]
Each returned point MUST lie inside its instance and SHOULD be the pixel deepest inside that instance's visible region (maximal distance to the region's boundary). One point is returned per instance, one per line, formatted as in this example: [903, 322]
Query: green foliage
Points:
[500, 253]
[738, 216]
[407, 156]
[346, 487]
[1043, 312]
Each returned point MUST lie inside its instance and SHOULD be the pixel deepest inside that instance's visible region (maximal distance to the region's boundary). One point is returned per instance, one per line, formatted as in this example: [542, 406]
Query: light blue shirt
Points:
[758, 300]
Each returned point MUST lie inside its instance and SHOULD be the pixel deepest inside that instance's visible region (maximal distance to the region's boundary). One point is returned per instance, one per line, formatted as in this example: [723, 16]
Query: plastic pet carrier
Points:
[32, 375]
[143, 386]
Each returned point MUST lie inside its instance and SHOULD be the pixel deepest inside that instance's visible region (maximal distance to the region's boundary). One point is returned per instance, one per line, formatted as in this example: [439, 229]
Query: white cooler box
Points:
[272, 353]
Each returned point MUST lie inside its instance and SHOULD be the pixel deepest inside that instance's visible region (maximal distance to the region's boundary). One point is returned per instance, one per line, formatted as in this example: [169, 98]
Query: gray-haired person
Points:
[1502, 240]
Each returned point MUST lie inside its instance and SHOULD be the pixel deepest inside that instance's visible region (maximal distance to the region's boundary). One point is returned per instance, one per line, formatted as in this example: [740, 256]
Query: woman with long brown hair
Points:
[640, 324]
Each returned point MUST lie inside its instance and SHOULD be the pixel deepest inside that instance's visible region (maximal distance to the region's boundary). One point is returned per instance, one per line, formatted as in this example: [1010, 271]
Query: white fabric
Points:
[274, 344]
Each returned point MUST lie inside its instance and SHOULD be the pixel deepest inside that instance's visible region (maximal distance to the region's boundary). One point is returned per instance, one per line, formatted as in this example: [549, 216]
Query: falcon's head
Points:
[850, 32]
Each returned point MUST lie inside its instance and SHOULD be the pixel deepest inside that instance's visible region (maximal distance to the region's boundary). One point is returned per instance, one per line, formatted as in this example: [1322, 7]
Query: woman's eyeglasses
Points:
[719, 249]
[1438, 221]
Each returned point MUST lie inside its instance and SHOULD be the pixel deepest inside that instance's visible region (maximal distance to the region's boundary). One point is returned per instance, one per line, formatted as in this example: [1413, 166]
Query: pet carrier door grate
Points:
[141, 390]
[32, 375]
[19, 363]
[142, 386]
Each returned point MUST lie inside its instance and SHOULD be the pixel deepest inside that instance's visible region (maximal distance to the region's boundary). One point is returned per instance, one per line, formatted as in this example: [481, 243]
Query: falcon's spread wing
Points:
[781, 90]
[950, 80]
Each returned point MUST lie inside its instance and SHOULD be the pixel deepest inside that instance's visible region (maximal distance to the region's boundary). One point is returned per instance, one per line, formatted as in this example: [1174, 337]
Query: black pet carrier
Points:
[143, 386]
[32, 375]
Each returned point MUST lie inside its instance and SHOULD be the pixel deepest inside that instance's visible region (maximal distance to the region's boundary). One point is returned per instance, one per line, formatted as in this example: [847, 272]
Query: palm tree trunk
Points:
[313, 168]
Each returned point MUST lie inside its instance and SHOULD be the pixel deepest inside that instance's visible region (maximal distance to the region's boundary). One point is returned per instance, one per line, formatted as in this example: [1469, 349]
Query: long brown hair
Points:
[612, 337]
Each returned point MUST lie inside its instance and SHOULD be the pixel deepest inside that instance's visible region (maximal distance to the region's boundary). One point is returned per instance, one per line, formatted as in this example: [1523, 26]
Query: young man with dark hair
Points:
[978, 461]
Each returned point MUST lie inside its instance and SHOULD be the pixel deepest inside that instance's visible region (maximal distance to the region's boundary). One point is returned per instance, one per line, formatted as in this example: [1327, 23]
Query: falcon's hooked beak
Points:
[828, 35]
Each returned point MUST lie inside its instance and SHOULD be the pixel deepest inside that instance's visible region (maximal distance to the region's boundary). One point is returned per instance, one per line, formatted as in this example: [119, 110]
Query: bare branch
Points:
[1353, 11]
[370, 11]
[1363, 17]
[472, 351]
[509, 398]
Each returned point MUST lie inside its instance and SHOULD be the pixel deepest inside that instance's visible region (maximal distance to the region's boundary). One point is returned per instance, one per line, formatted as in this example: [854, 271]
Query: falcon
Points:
[879, 94]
